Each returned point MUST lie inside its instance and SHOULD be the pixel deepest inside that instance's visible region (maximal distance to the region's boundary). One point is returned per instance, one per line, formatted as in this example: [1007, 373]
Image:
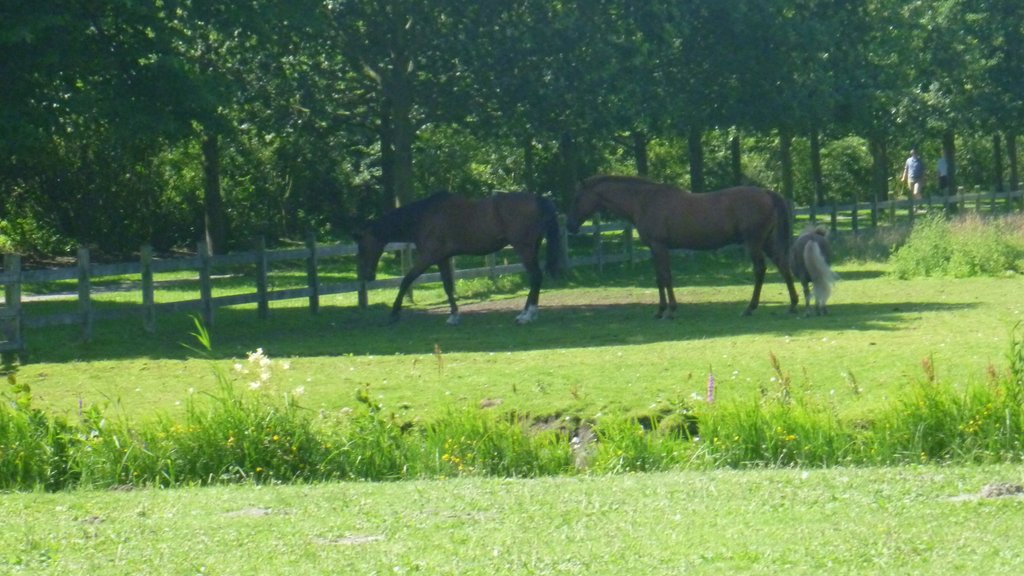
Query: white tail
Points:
[821, 274]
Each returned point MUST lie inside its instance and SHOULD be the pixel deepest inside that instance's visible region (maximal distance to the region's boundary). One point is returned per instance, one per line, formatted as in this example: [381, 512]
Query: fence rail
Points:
[14, 320]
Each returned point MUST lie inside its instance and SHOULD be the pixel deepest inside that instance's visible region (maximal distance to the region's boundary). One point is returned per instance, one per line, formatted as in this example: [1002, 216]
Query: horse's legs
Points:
[417, 268]
[448, 280]
[663, 273]
[782, 263]
[528, 254]
[757, 258]
[807, 297]
[787, 274]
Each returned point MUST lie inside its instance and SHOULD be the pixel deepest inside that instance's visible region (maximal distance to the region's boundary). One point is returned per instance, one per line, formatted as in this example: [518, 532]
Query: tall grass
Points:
[249, 431]
[963, 247]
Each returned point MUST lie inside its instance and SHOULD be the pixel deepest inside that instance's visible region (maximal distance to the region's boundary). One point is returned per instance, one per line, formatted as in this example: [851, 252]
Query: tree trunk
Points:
[570, 170]
[786, 160]
[997, 157]
[214, 218]
[640, 152]
[879, 167]
[817, 181]
[1011, 151]
[737, 164]
[696, 157]
[400, 95]
[389, 198]
[949, 150]
[529, 164]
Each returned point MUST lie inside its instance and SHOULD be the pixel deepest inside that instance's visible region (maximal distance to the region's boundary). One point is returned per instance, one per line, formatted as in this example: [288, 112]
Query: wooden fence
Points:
[14, 320]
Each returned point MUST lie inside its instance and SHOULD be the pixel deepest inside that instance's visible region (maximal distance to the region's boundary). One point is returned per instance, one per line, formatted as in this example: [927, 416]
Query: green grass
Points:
[908, 520]
[929, 366]
[594, 350]
[603, 364]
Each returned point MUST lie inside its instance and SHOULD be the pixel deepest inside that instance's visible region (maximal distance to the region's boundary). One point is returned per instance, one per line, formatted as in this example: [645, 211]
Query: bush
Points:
[961, 248]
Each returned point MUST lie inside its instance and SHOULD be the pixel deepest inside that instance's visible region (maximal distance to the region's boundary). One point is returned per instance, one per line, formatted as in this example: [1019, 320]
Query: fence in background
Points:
[14, 320]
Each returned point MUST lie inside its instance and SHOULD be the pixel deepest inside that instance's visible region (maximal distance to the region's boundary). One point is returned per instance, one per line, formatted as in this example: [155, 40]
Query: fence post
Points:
[491, 260]
[262, 306]
[312, 275]
[205, 283]
[598, 247]
[84, 293]
[11, 318]
[833, 220]
[854, 217]
[874, 211]
[148, 299]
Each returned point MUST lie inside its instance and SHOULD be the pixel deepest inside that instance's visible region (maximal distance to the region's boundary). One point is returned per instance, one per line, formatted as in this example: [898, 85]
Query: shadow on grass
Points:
[487, 326]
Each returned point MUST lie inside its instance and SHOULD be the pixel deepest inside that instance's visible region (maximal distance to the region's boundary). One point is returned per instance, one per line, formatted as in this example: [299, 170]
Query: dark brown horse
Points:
[446, 225]
[667, 217]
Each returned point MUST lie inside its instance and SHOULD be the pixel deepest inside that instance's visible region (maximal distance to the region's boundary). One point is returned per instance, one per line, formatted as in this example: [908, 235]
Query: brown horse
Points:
[667, 217]
[446, 225]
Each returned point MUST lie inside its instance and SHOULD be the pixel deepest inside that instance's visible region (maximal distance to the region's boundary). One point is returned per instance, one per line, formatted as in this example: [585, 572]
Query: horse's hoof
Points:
[454, 320]
[393, 319]
[747, 312]
[529, 314]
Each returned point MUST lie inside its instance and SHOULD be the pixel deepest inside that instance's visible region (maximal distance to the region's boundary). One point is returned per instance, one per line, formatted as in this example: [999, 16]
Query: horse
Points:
[446, 225]
[667, 217]
[810, 260]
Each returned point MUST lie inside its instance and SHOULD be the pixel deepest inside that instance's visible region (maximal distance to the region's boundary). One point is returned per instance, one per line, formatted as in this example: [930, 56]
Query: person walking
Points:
[913, 174]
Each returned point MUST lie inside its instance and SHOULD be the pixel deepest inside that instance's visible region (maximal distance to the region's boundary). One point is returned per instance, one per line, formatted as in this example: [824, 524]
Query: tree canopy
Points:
[167, 122]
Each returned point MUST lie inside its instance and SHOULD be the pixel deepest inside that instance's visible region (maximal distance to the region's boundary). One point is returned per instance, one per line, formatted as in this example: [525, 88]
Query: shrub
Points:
[965, 247]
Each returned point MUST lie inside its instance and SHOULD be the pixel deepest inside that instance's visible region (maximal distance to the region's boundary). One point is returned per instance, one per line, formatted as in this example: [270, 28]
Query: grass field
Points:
[908, 520]
[595, 351]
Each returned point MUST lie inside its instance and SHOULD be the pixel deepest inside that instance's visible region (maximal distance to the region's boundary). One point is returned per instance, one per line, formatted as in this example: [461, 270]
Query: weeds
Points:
[968, 246]
[250, 431]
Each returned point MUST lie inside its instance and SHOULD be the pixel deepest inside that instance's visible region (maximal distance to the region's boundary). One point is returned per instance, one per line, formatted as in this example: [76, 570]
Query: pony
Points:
[446, 225]
[810, 259]
[667, 217]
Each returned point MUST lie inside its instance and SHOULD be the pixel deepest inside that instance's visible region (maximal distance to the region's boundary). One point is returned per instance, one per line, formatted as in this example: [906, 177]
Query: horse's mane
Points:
[399, 224]
[818, 229]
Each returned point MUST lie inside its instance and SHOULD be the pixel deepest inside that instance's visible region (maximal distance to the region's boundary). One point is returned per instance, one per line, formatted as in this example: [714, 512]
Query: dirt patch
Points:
[349, 540]
[993, 490]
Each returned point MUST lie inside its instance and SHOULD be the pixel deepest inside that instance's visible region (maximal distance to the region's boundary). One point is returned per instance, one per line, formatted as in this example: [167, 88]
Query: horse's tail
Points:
[549, 219]
[783, 226]
[820, 272]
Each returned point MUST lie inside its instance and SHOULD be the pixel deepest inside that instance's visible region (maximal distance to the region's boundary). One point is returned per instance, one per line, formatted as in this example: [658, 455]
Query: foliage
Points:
[256, 433]
[321, 114]
[961, 248]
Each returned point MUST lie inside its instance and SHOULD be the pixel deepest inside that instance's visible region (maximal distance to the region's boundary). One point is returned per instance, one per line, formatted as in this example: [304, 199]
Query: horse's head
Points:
[368, 255]
[583, 205]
